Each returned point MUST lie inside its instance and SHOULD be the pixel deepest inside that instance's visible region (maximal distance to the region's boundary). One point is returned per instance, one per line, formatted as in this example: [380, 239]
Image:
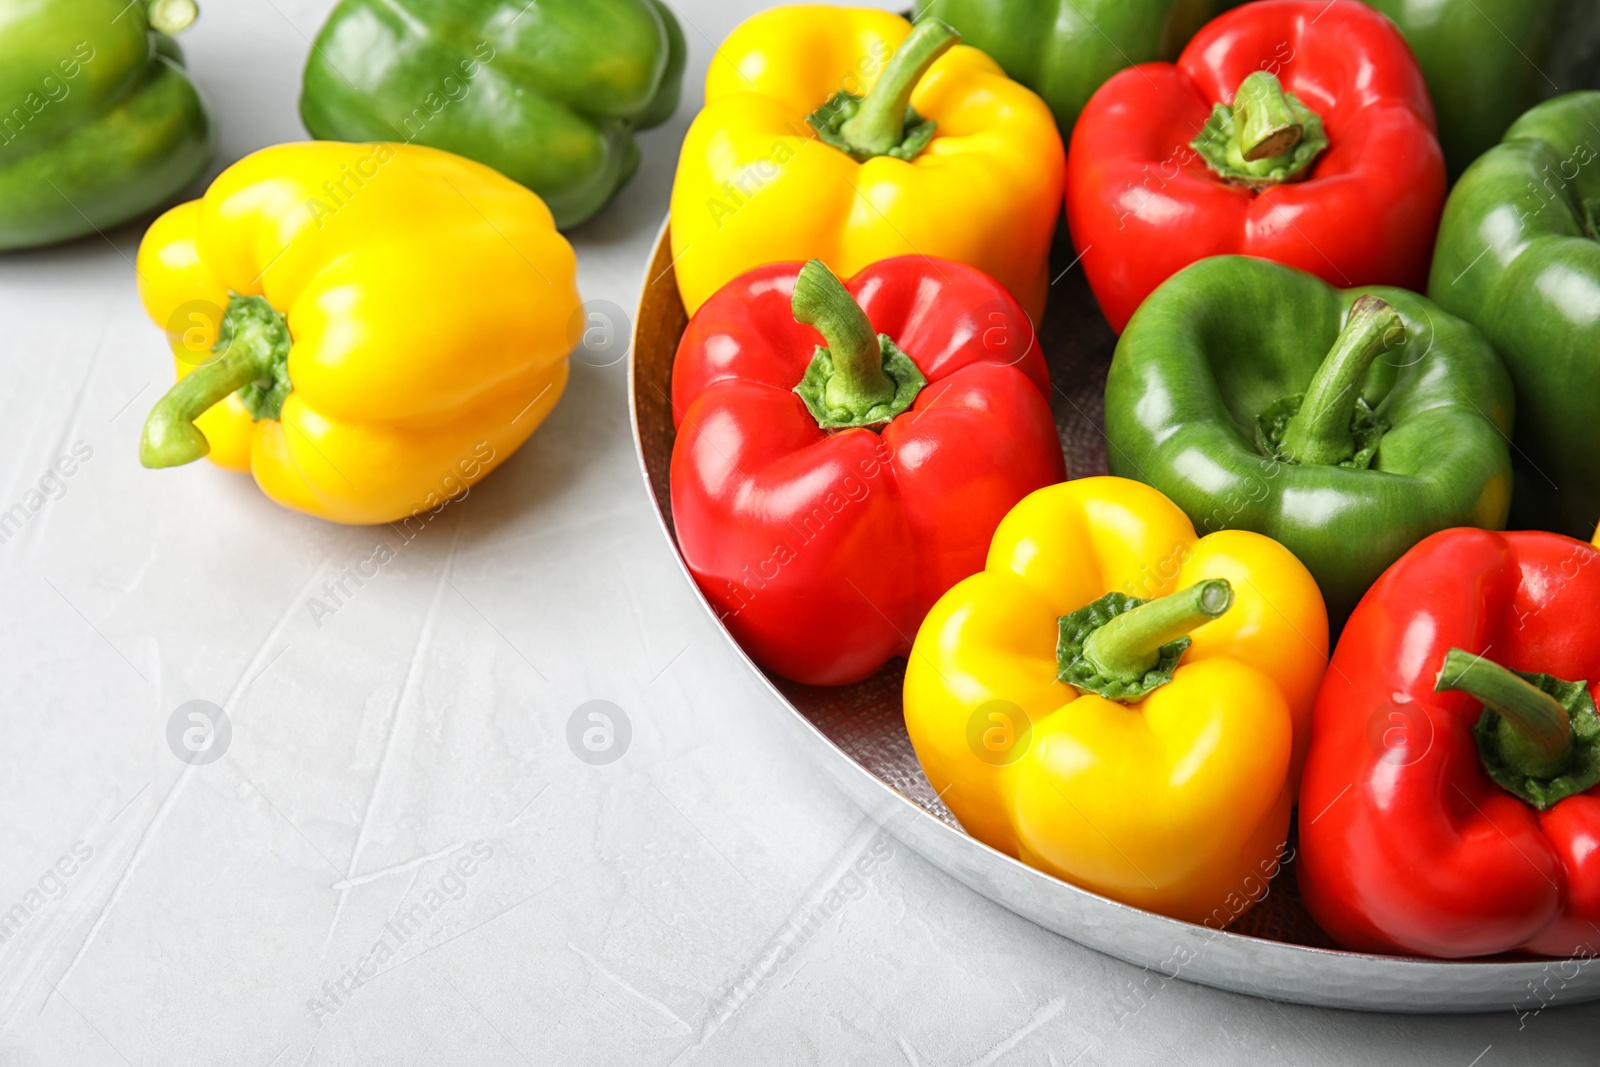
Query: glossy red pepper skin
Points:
[1406, 845]
[1142, 204]
[823, 551]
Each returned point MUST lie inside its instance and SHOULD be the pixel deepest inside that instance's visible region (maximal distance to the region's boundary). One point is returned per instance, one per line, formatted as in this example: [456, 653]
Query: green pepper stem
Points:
[1130, 645]
[1266, 124]
[880, 123]
[1265, 137]
[252, 359]
[1539, 727]
[1320, 432]
[821, 300]
[170, 437]
[170, 16]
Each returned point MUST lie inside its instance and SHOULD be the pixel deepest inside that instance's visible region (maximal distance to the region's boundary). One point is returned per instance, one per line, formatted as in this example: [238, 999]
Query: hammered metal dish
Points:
[857, 734]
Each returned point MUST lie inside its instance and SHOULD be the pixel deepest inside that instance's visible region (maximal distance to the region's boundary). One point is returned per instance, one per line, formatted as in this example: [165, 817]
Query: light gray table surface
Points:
[399, 859]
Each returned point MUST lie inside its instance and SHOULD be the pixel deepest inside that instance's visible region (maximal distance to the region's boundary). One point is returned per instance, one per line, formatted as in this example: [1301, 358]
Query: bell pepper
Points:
[1347, 425]
[547, 93]
[367, 329]
[100, 121]
[1121, 703]
[1294, 130]
[844, 135]
[1518, 256]
[1450, 806]
[1065, 49]
[824, 497]
[1488, 61]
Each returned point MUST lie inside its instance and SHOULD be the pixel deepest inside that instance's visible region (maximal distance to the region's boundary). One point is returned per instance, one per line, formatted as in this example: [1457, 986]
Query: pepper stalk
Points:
[1538, 737]
[883, 123]
[860, 377]
[252, 359]
[1266, 137]
[1322, 432]
[171, 16]
[1124, 648]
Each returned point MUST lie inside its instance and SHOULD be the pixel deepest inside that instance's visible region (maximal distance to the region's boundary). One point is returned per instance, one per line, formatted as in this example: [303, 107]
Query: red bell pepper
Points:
[824, 498]
[1463, 821]
[1295, 130]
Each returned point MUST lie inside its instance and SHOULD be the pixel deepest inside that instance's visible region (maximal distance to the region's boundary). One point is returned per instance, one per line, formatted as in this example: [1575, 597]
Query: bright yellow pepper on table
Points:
[1121, 703]
[367, 329]
[806, 150]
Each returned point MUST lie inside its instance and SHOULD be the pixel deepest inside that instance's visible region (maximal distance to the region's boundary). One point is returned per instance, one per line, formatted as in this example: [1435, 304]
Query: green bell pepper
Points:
[1065, 49]
[1346, 424]
[1519, 255]
[98, 121]
[1487, 61]
[548, 93]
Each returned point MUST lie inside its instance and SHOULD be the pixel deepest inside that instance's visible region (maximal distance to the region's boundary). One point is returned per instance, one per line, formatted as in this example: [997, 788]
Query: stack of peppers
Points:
[846, 449]
[1123, 680]
[1120, 680]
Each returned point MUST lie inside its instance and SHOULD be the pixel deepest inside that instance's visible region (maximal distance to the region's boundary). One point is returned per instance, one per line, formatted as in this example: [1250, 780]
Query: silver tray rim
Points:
[1239, 963]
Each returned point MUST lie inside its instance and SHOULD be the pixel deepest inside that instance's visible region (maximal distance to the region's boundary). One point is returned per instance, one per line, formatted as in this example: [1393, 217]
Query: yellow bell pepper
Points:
[806, 150]
[1163, 776]
[368, 329]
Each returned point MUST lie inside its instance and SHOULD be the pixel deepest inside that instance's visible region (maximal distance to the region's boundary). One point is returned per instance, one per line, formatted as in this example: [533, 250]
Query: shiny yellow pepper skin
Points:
[756, 185]
[1178, 802]
[428, 303]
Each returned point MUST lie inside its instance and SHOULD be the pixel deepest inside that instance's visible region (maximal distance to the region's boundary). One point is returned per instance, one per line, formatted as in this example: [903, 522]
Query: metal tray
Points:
[857, 734]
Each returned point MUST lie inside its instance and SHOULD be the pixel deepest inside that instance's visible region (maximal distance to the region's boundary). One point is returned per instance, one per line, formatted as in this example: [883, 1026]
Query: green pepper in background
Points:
[1257, 397]
[1488, 61]
[548, 93]
[98, 121]
[1519, 255]
[1065, 49]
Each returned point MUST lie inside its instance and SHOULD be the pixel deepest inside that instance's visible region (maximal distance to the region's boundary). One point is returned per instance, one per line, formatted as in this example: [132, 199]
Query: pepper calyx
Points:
[860, 378]
[261, 332]
[847, 413]
[1538, 737]
[1266, 137]
[1124, 648]
[883, 123]
[1331, 424]
[1367, 428]
[842, 106]
[251, 359]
